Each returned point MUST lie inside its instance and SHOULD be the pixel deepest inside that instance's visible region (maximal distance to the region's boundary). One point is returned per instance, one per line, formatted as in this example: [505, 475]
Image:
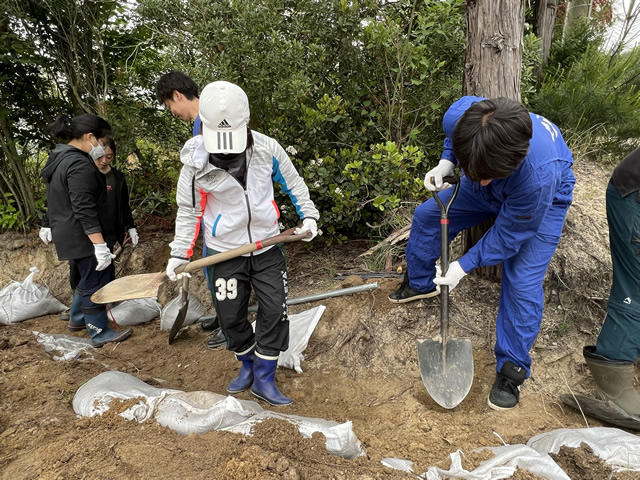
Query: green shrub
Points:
[354, 190]
[596, 95]
[9, 214]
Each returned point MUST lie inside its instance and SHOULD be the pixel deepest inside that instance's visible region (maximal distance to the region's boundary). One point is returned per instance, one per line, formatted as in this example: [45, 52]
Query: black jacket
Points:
[626, 176]
[76, 193]
[125, 218]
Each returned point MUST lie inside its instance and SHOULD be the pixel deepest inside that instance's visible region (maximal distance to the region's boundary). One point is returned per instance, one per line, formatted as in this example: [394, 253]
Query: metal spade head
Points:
[182, 313]
[447, 372]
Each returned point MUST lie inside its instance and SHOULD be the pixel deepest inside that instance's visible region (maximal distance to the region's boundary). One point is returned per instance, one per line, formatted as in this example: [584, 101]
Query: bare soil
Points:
[361, 365]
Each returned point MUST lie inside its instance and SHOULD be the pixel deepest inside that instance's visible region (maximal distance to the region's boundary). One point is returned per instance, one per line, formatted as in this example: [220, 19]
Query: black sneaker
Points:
[505, 393]
[406, 294]
[217, 340]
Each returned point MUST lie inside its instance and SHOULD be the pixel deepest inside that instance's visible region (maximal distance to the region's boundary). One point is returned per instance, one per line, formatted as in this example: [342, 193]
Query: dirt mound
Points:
[360, 365]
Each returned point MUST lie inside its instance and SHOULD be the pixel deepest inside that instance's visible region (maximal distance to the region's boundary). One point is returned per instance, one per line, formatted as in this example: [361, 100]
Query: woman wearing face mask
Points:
[77, 199]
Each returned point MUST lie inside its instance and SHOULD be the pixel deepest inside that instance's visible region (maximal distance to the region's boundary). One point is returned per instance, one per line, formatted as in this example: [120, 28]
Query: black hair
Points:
[175, 80]
[491, 138]
[68, 128]
[112, 145]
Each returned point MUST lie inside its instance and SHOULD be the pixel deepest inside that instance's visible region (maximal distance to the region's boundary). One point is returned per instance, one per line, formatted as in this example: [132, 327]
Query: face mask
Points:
[97, 151]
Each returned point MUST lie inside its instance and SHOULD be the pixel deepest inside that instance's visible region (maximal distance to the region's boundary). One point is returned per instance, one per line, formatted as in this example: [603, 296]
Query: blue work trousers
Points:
[521, 296]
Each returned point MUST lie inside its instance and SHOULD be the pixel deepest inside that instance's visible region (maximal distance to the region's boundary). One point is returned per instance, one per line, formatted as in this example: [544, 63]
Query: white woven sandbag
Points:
[22, 301]
[301, 326]
[134, 312]
[195, 310]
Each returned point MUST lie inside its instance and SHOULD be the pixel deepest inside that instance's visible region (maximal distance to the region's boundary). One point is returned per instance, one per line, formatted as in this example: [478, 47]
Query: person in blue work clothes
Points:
[179, 93]
[611, 361]
[516, 168]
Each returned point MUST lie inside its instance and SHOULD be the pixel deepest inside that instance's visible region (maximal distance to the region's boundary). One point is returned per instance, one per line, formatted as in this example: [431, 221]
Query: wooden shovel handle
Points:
[285, 237]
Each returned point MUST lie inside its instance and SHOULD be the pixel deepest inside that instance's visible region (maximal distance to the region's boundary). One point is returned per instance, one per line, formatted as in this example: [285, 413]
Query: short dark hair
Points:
[68, 128]
[112, 145]
[175, 80]
[491, 138]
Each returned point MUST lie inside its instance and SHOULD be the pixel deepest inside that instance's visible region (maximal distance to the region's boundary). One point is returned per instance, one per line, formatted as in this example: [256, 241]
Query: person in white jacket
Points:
[227, 181]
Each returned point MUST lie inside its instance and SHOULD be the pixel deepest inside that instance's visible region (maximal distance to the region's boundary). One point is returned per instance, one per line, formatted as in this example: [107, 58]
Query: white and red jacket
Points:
[234, 215]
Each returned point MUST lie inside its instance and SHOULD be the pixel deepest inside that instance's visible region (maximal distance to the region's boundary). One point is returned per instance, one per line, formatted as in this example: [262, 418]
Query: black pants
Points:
[230, 284]
[74, 273]
[90, 282]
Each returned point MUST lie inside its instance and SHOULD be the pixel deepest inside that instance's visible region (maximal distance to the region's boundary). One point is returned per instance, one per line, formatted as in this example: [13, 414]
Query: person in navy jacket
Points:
[517, 168]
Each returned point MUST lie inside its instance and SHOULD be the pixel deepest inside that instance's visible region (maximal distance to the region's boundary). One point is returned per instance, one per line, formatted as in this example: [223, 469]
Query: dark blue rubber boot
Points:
[76, 317]
[264, 381]
[99, 331]
[245, 378]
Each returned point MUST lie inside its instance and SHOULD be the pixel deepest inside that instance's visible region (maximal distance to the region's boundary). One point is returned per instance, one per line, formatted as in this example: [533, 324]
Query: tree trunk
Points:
[494, 48]
[492, 69]
[545, 18]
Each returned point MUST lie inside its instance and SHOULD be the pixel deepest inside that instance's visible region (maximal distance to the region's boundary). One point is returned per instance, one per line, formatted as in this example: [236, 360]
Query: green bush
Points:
[354, 190]
[596, 95]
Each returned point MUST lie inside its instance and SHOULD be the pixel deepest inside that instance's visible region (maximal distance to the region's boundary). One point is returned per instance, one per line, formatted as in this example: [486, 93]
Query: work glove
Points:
[308, 225]
[45, 235]
[452, 277]
[103, 255]
[171, 268]
[444, 169]
[133, 235]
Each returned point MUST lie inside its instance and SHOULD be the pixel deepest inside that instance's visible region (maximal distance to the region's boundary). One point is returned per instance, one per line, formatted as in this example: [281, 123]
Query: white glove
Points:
[103, 255]
[133, 235]
[444, 169]
[308, 225]
[171, 268]
[452, 277]
[45, 235]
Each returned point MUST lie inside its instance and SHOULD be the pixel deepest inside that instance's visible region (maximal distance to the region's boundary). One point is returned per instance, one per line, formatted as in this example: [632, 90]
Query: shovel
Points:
[446, 363]
[146, 285]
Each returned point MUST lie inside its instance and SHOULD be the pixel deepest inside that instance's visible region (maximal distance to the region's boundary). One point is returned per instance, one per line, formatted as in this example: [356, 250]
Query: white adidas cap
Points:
[224, 111]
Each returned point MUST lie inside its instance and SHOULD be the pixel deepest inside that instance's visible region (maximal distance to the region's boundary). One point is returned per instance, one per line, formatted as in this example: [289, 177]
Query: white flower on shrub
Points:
[338, 190]
[316, 184]
[291, 150]
[319, 161]
[283, 208]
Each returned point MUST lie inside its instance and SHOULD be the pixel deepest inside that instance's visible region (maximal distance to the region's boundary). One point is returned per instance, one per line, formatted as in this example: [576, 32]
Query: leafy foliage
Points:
[591, 93]
[354, 90]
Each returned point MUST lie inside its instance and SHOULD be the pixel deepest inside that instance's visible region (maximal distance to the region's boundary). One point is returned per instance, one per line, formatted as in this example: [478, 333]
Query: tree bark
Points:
[545, 19]
[494, 48]
[492, 69]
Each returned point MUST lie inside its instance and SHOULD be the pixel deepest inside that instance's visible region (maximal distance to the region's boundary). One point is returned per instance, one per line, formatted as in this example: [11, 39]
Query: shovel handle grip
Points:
[449, 179]
[285, 237]
[452, 179]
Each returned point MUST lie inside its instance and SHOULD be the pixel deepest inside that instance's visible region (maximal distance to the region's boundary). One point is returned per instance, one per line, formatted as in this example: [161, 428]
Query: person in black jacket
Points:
[77, 215]
[118, 220]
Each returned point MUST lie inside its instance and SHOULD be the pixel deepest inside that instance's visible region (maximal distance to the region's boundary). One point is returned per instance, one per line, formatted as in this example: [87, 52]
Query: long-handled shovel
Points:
[446, 363]
[146, 285]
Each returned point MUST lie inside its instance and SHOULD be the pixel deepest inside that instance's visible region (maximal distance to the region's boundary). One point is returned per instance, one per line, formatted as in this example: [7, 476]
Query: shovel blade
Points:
[128, 288]
[448, 380]
[177, 324]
